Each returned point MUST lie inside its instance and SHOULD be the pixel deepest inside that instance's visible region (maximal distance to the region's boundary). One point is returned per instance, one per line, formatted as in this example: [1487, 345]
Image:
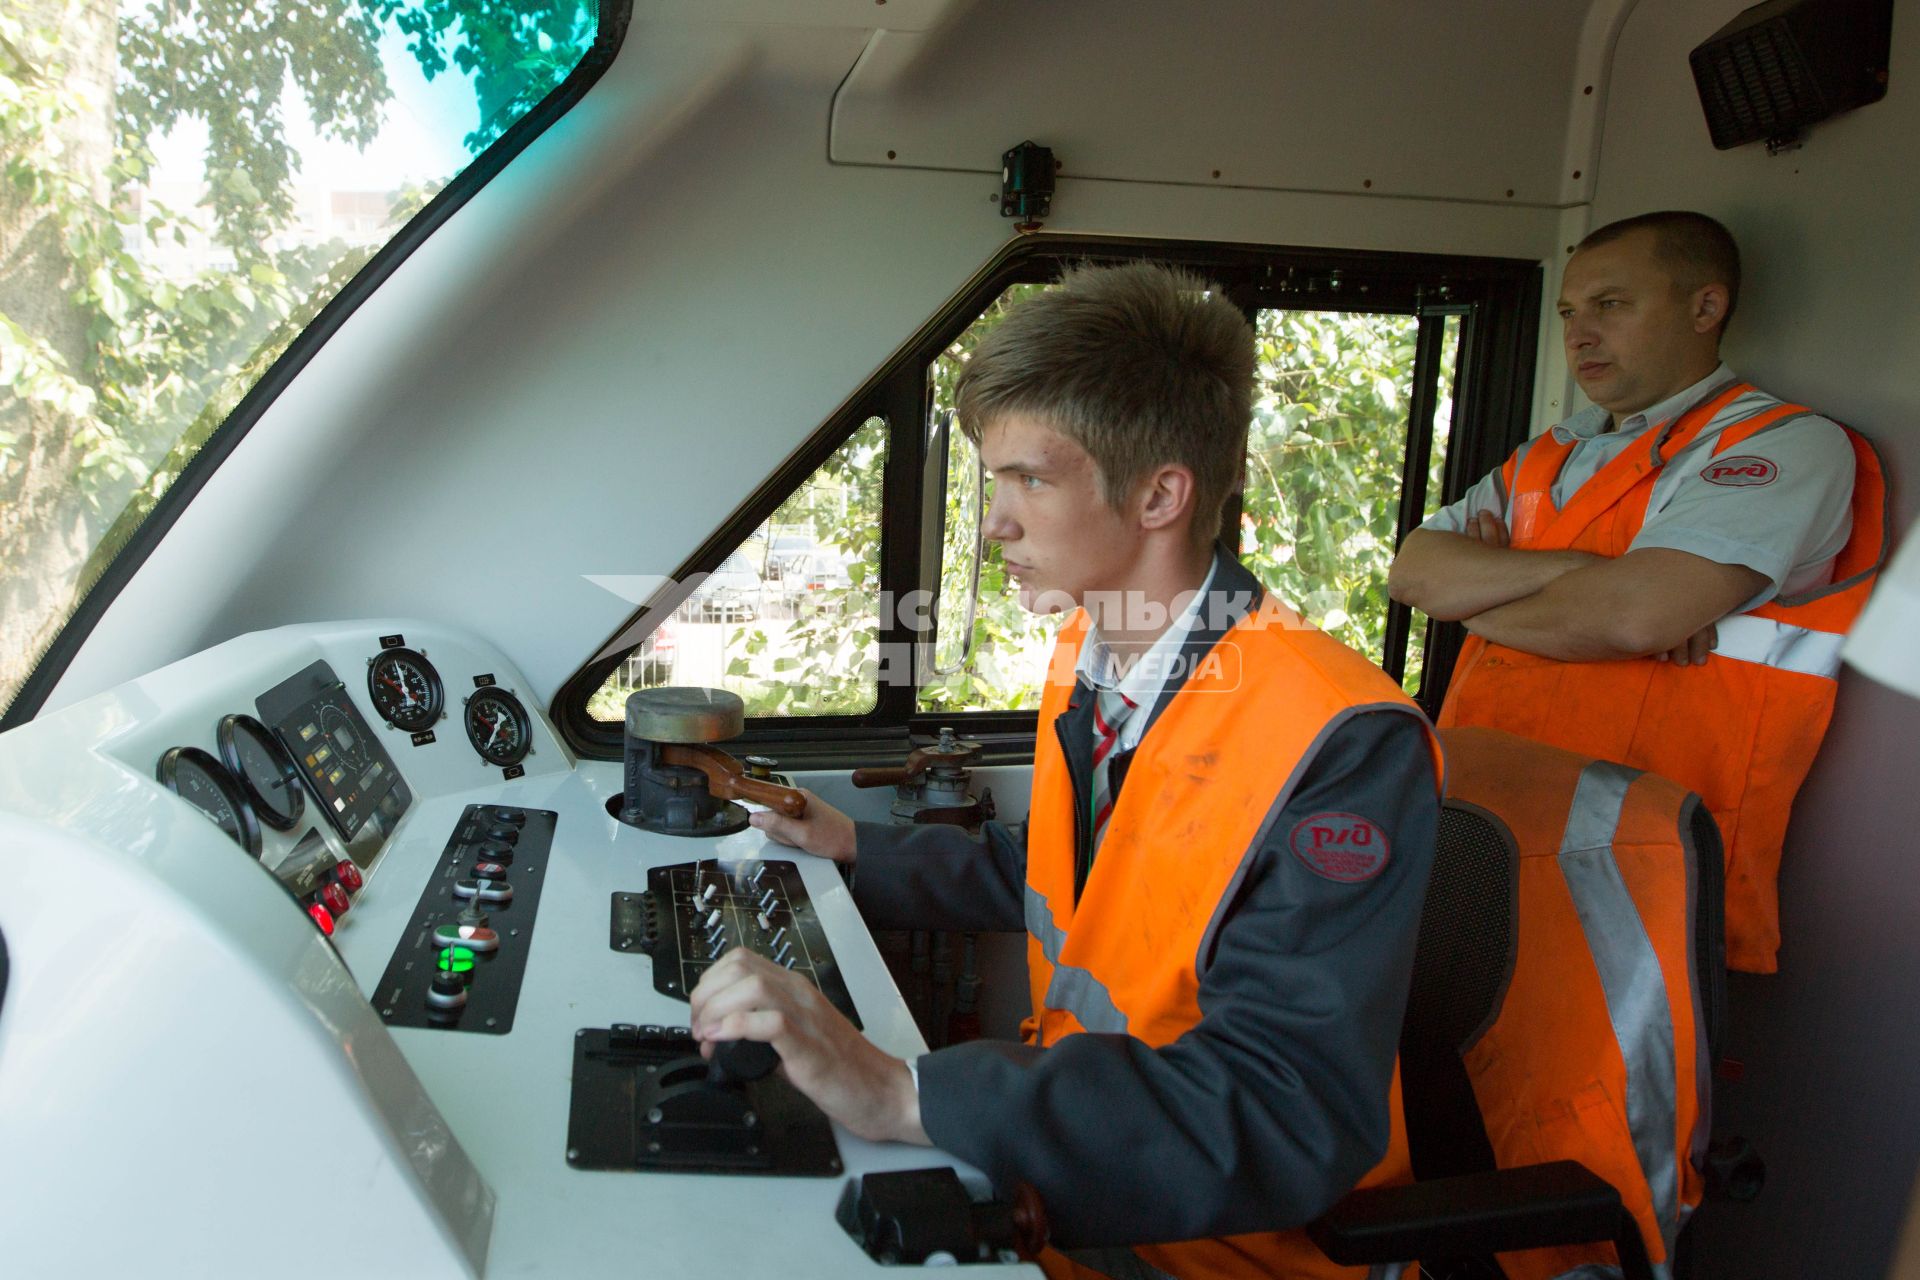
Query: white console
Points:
[193, 1078]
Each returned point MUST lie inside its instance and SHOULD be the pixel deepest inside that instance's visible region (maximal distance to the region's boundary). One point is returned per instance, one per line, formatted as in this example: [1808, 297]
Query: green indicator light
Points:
[456, 960]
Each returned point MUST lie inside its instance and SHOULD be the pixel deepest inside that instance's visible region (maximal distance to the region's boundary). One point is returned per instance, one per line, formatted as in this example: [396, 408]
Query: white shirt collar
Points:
[1593, 420]
[1144, 683]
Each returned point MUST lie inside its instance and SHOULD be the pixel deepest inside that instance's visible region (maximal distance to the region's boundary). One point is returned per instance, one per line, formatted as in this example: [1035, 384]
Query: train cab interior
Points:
[404, 403]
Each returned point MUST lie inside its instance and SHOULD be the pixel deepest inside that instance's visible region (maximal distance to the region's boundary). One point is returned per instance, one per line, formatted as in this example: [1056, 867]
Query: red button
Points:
[336, 900]
[322, 917]
[349, 876]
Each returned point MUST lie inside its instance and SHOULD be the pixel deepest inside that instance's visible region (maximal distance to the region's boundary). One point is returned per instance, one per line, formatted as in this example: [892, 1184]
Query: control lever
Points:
[923, 1217]
[741, 1061]
[727, 778]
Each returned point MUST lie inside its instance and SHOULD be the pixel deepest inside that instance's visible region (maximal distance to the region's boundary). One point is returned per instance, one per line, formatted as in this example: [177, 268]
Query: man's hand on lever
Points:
[745, 996]
[825, 831]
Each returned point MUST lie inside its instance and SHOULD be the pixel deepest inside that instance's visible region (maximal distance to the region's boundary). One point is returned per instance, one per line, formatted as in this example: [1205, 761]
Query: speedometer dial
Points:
[204, 782]
[264, 768]
[405, 689]
[498, 726]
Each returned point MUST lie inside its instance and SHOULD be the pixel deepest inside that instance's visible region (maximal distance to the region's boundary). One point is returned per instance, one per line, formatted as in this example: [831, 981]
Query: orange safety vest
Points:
[1598, 1051]
[1126, 957]
[1740, 731]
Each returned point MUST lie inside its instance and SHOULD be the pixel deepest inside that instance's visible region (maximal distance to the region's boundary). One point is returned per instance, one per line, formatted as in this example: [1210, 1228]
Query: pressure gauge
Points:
[498, 726]
[405, 689]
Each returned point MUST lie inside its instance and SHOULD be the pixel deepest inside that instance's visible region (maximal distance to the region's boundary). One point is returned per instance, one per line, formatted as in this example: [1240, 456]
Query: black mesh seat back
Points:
[1461, 967]
[1699, 829]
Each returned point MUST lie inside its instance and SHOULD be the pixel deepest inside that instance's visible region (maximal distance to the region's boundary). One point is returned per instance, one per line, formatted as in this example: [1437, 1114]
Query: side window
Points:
[188, 188]
[1327, 459]
[790, 619]
[989, 657]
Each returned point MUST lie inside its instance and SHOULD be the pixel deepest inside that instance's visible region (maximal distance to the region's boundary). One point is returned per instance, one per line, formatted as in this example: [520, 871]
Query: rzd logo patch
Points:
[1340, 846]
[1740, 471]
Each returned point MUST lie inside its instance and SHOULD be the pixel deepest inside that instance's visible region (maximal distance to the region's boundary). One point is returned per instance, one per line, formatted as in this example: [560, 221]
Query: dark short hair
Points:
[1140, 365]
[1695, 249]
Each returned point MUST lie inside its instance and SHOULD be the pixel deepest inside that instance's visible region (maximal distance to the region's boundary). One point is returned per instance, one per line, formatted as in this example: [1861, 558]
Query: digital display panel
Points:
[350, 774]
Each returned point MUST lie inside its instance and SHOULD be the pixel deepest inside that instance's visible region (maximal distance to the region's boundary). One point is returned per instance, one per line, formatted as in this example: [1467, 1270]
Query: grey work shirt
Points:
[1789, 528]
[1269, 1109]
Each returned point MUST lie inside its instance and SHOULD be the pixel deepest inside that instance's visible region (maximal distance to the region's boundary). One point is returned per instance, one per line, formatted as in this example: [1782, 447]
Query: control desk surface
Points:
[438, 1149]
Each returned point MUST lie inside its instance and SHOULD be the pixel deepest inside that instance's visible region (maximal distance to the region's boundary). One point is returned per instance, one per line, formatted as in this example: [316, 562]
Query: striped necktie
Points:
[1110, 710]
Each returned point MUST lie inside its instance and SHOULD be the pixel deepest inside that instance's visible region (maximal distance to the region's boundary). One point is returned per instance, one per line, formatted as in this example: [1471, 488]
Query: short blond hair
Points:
[1140, 365]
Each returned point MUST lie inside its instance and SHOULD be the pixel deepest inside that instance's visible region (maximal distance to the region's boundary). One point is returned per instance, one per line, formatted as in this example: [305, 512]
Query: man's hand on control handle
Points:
[745, 996]
[825, 831]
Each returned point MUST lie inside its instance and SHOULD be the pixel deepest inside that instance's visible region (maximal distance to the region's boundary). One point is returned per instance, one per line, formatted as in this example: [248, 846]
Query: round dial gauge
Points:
[405, 689]
[498, 726]
[266, 772]
[204, 782]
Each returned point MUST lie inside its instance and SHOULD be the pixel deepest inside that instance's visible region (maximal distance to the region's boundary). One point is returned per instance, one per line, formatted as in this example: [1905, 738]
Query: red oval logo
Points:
[1340, 846]
[1740, 471]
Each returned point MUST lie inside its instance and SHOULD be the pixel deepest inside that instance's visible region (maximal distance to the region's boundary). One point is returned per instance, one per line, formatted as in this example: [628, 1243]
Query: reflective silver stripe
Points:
[1119, 1263]
[1746, 638]
[1074, 990]
[1630, 977]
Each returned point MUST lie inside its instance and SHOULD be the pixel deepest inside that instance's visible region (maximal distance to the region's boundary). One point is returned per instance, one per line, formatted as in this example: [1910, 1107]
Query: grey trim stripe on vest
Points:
[1630, 977]
[1879, 561]
[1071, 989]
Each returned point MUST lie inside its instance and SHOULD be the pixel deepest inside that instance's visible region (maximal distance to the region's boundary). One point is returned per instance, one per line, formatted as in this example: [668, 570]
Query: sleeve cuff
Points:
[1721, 550]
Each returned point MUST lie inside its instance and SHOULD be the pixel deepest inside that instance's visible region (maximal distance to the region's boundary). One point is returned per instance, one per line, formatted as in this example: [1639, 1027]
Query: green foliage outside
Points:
[112, 374]
[837, 631]
[1010, 645]
[1325, 455]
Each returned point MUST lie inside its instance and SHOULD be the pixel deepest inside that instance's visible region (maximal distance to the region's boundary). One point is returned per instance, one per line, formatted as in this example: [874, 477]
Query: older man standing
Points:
[1663, 579]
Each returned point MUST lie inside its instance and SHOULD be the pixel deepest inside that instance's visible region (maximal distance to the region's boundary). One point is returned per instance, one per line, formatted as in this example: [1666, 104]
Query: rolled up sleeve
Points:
[1778, 503]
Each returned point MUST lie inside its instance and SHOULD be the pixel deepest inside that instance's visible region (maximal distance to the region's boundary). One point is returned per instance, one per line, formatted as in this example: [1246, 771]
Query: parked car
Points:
[652, 662]
[787, 551]
[824, 570]
[732, 591]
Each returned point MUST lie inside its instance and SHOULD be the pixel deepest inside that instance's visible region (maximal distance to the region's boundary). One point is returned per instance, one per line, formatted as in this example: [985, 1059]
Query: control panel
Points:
[482, 1079]
[460, 964]
[357, 784]
[692, 913]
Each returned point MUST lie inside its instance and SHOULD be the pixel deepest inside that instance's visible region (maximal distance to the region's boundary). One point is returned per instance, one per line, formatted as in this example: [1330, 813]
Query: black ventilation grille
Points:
[1786, 64]
[1756, 87]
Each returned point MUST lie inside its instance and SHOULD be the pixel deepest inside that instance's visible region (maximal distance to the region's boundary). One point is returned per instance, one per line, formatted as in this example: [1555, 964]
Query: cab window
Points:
[1386, 384]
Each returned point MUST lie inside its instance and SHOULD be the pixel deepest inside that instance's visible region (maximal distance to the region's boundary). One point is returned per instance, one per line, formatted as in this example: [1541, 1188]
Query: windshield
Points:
[188, 184]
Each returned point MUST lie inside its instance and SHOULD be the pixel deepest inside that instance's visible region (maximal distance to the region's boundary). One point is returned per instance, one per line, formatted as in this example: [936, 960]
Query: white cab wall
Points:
[599, 358]
[1826, 317]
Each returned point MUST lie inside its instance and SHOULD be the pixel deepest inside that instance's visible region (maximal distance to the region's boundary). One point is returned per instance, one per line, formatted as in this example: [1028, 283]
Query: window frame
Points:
[1498, 300]
[612, 20]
